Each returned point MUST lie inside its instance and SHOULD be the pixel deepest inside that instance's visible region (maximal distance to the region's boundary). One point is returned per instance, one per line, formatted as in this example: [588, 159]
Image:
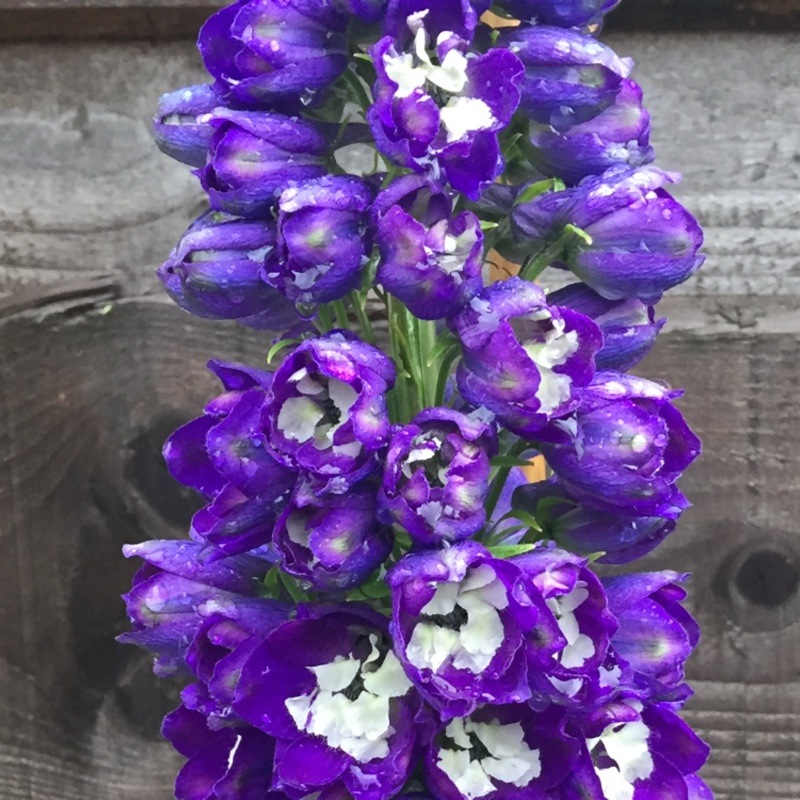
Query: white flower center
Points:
[354, 721]
[485, 753]
[318, 412]
[554, 388]
[411, 71]
[627, 745]
[579, 646]
[462, 627]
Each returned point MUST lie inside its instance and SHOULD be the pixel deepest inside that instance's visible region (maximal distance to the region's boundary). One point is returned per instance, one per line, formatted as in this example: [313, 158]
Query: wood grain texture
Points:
[755, 15]
[87, 396]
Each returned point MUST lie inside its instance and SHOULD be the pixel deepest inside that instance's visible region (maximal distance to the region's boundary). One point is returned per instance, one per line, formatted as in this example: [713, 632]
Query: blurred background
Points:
[97, 367]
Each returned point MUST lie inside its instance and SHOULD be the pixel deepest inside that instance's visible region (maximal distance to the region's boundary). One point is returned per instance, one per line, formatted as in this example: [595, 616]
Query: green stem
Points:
[536, 265]
[340, 311]
[445, 366]
[324, 318]
[430, 367]
[500, 479]
[359, 90]
[356, 301]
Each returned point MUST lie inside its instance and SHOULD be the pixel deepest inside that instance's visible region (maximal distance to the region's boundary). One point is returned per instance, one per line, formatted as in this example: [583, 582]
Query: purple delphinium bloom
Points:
[436, 475]
[568, 648]
[223, 455]
[522, 358]
[367, 10]
[641, 240]
[176, 587]
[500, 751]
[214, 272]
[632, 750]
[630, 447]
[620, 536]
[629, 326]
[272, 52]
[458, 17]
[565, 13]
[178, 127]
[233, 763]
[327, 413]
[333, 542]
[430, 261]
[569, 77]
[443, 118]
[329, 688]
[254, 154]
[620, 135]
[321, 239]
[459, 628]
[656, 634]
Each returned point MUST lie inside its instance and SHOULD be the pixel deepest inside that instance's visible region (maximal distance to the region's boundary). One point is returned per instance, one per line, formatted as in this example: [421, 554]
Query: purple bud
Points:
[333, 542]
[270, 52]
[444, 16]
[629, 327]
[631, 445]
[430, 261]
[214, 272]
[569, 78]
[522, 358]
[564, 13]
[620, 135]
[177, 126]
[254, 154]
[640, 243]
[322, 239]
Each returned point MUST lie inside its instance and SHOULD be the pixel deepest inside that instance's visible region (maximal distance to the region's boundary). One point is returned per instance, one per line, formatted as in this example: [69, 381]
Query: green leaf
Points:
[281, 345]
[579, 232]
[533, 191]
[509, 550]
[272, 583]
[292, 588]
[488, 226]
[444, 344]
[509, 461]
[523, 516]
[595, 556]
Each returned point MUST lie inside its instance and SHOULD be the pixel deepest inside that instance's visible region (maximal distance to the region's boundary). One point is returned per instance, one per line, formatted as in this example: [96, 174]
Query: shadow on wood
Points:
[87, 399]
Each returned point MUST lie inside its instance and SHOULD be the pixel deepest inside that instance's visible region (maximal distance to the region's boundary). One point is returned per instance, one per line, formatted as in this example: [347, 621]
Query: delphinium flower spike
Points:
[373, 600]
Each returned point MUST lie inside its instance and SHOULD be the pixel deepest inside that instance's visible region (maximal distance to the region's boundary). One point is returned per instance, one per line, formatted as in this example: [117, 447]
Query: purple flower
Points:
[620, 536]
[498, 752]
[430, 261]
[620, 135]
[634, 750]
[568, 648]
[437, 475]
[179, 126]
[225, 764]
[223, 455]
[327, 414]
[254, 154]
[459, 627]
[457, 17]
[333, 542]
[329, 688]
[569, 77]
[368, 10]
[177, 588]
[629, 326]
[565, 13]
[656, 634]
[641, 240]
[631, 445]
[270, 52]
[322, 239]
[522, 358]
[442, 116]
[214, 272]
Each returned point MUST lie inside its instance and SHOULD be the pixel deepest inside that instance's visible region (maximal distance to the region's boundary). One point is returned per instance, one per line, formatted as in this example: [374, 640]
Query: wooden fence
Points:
[96, 367]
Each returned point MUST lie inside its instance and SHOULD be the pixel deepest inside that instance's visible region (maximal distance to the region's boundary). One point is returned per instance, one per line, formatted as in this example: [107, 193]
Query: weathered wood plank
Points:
[775, 15]
[98, 195]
